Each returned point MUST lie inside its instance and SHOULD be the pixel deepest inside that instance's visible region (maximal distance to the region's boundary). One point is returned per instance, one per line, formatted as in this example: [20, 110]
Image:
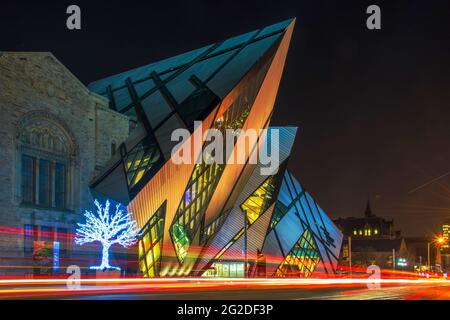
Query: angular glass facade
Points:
[205, 219]
[301, 260]
[261, 199]
[150, 244]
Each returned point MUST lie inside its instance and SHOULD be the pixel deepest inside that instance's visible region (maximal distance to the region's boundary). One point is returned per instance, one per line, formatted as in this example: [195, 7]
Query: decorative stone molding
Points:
[44, 131]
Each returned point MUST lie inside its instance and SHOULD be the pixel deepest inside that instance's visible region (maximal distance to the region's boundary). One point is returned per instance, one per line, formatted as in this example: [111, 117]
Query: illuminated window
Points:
[260, 200]
[375, 231]
[144, 156]
[193, 204]
[369, 232]
[301, 260]
[225, 269]
[203, 181]
[150, 244]
[355, 232]
[180, 239]
[214, 271]
[360, 232]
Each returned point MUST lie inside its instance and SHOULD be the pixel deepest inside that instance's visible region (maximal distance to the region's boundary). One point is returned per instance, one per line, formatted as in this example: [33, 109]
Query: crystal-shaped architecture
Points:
[214, 219]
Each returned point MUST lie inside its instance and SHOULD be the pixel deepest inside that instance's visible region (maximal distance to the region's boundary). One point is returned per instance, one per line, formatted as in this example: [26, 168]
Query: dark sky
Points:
[373, 107]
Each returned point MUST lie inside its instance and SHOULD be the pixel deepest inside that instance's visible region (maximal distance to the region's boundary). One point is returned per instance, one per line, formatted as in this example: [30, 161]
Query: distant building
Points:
[423, 249]
[368, 226]
[374, 240]
[445, 234]
[381, 252]
[445, 247]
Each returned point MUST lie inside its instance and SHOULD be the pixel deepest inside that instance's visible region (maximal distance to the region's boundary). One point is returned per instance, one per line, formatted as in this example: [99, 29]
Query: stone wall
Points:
[37, 87]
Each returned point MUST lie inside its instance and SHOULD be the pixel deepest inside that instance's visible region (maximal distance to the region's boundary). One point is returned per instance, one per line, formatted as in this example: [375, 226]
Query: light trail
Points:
[56, 288]
[198, 281]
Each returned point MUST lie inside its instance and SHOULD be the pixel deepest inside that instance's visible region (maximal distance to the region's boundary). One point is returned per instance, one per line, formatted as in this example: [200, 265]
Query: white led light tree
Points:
[118, 228]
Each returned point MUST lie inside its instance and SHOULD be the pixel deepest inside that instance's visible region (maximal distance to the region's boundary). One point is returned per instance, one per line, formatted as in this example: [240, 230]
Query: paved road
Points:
[232, 291]
[403, 292]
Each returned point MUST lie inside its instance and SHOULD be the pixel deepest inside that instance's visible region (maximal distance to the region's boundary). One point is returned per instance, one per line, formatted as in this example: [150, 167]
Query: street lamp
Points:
[440, 240]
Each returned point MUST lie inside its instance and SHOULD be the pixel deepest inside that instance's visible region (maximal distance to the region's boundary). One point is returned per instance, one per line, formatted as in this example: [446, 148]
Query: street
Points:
[224, 289]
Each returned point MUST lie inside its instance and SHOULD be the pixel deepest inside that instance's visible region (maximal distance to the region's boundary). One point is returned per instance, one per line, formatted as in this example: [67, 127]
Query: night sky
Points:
[373, 107]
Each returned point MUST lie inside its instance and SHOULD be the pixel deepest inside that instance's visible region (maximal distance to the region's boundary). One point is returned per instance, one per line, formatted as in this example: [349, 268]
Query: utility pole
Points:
[350, 255]
[245, 244]
[428, 249]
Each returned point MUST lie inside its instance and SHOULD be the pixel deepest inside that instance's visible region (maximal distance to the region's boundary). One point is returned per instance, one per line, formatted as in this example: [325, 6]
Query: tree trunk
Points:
[105, 257]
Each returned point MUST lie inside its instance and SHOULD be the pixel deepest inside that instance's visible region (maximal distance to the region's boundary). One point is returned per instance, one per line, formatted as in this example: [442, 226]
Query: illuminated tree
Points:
[118, 228]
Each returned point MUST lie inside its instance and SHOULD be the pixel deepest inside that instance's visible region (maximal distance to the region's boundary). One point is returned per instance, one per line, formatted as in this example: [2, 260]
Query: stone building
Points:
[381, 252]
[370, 226]
[371, 239]
[55, 136]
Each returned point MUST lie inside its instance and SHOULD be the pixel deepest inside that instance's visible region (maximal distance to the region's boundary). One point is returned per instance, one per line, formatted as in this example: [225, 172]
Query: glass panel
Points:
[151, 272]
[234, 70]
[157, 251]
[156, 108]
[278, 214]
[28, 179]
[141, 249]
[235, 41]
[150, 243]
[143, 268]
[261, 199]
[301, 260]
[140, 160]
[208, 175]
[181, 240]
[181, 87]
[146, 242]
[44, 183]
[60, 185]
[122, 98]
[163, 134]
[205, 68]
[149, 259]
[143, 87]
[278, 27]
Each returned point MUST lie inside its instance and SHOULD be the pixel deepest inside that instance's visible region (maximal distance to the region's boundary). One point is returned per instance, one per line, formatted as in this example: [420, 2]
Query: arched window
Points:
[46, 155]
